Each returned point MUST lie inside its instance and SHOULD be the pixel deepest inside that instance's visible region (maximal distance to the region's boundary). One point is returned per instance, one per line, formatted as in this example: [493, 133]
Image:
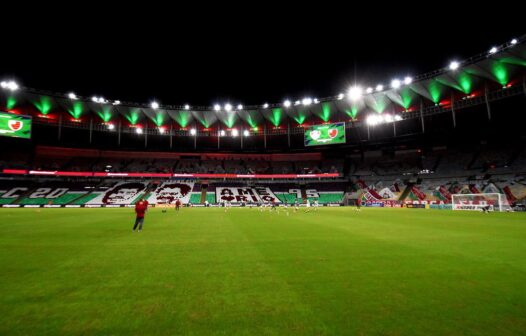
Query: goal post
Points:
[479, 202]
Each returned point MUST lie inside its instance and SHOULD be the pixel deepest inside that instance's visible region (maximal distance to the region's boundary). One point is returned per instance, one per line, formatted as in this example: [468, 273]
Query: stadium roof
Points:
[499, 68]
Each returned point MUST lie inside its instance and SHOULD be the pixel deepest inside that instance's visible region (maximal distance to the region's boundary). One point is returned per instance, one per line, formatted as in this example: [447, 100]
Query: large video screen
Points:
[326, 134]
[14, 125]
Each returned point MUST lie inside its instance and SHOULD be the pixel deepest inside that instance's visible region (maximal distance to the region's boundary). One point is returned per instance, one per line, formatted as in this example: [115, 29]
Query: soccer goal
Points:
[479, 202]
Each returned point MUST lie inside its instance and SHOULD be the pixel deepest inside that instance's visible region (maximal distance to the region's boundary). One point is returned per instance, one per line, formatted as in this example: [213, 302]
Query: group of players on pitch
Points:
[274, 206]
[141, 207]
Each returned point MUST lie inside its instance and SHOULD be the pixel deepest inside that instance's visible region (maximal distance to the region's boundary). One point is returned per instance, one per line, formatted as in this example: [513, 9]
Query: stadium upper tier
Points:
[405, 104]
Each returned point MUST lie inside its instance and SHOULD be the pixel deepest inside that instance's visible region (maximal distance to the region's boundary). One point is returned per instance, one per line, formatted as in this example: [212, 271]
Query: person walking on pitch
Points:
[140, 210]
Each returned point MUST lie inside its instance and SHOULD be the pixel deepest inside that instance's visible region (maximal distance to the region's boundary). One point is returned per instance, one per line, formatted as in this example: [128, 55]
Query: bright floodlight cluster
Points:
[355, 93]
[9, 85]
[377, 119]
[99, 100]
[454, 65]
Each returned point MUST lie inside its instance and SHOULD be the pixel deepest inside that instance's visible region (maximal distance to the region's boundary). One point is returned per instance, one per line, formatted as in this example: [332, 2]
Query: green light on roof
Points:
[159, 119]
[133, 118]
[44, 105]
[182, 118]
[11, 102]
[203, 121]
[300, 119]
[325, 112]
[230, 120]
[251, 121]
[435, 91]
[76, 110]
[105, 113]
[500, 72]
[380, 104]
[466, 83]
[353, 112]
[407, 98]
[275, 117]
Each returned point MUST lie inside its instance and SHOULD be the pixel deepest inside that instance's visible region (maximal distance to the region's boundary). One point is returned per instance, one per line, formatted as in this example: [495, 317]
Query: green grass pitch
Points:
[246, 272]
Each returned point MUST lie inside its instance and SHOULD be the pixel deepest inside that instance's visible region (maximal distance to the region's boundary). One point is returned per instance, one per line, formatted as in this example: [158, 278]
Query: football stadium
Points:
[393, 207]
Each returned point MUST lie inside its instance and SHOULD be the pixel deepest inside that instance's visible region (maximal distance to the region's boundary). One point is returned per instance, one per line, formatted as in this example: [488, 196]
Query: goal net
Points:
[479, 202]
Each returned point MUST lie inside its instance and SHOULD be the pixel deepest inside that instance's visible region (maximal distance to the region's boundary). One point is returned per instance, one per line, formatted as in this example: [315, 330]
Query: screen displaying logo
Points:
[326, 134]
[14, 125]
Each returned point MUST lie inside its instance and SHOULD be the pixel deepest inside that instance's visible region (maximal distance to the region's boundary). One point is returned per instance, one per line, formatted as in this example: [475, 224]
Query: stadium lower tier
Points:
[25, 192]
[127, 192]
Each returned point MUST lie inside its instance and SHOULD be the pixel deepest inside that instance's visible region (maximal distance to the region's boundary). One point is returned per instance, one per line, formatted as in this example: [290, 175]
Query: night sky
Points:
[236, 57]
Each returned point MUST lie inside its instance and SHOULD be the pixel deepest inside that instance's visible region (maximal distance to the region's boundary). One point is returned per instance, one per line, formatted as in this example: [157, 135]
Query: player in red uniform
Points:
[177, 205]
[140, 210]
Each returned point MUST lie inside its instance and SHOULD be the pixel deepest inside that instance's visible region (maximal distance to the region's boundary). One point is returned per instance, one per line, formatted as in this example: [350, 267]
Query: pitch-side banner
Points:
[14, 125]
[326, 134]
[165, 175]
[236, 195]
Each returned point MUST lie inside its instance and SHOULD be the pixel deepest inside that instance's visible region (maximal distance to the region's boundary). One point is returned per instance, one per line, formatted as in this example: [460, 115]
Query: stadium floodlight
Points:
[341, 96]
[395, 83]
[297, 102]
[217, 107]
[514, 41]
[154, 105]
[192, 131]
[117, 102]
[397, 118]
[306, 101]
[369, 90]
[9, 85]
[222, 133]
[454, 65]
[161, 130]
[246, 133]
[408, 80]
[493, 50]
[138, 130]
[265, 105]
[239, 107]
[287, 103]
[72, 96]
[228, 107]
[354, 93]
[315, 100]
[379, 88]
[373, 120]
[388, 118]
[187, 107]
[235, 132]
[111, 127]
[95, 99]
